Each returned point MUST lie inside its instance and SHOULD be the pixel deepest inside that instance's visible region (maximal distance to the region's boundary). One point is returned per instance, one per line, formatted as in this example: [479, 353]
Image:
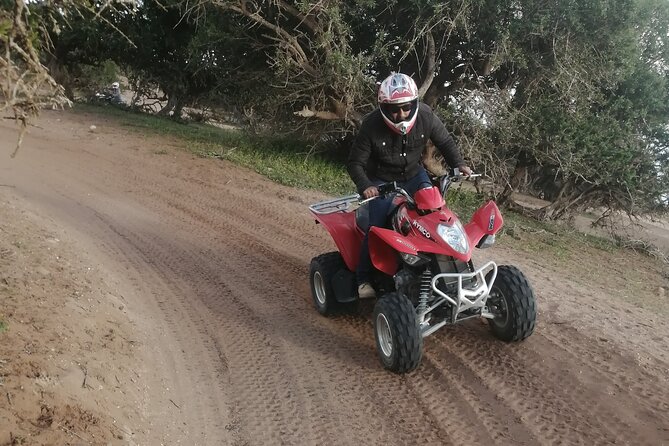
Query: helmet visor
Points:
[399, 112]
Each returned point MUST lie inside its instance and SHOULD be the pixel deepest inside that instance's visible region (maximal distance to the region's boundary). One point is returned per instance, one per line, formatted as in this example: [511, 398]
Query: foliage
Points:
[567, 100]
[27, 84]
[584, 123]
[87, 79]
[550, 98]
[166, 54]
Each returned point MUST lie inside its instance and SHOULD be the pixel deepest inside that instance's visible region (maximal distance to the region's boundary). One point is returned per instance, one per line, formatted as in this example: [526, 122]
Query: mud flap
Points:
[343, 285]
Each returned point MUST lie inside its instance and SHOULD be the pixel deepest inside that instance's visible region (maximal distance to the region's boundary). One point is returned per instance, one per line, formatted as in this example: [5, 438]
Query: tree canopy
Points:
[567, 100]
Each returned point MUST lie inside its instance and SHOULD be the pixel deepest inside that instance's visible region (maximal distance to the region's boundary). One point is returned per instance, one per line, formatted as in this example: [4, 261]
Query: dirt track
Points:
[211, 264]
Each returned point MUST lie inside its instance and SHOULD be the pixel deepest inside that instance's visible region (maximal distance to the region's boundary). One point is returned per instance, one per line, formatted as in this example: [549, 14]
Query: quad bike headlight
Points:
[414, 260]
[486, 242]
[455, 236]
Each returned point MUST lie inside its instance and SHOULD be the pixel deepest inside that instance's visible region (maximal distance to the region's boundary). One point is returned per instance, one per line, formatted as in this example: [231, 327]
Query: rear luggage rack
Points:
[336, 205]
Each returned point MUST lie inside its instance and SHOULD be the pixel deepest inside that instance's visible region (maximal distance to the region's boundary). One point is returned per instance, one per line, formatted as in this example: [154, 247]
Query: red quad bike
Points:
[422, 270]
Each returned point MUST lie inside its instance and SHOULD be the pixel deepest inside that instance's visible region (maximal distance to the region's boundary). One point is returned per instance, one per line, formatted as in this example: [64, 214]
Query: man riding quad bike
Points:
[423, 270]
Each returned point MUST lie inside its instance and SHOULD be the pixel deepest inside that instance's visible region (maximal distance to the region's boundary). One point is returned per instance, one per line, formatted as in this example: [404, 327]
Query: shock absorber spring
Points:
[425, 290]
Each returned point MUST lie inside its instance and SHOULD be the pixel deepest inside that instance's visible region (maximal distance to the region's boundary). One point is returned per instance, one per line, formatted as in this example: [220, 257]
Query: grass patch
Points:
[3, 326]
[464, 202]
[552, 238]
[291, 168]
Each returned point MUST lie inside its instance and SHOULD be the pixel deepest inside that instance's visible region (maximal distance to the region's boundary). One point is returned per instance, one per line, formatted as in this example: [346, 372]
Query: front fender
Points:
[487, 220]
[383, 247]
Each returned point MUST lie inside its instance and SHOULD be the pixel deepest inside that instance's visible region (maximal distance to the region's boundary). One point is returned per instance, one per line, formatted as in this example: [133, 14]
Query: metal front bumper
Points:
[466, 299]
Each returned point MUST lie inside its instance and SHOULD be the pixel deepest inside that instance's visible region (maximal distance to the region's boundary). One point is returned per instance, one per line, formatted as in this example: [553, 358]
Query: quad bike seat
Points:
[362, 215]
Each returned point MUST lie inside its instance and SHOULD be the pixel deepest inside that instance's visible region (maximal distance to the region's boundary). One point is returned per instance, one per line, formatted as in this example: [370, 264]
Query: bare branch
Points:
[307, 113]
[287, 41]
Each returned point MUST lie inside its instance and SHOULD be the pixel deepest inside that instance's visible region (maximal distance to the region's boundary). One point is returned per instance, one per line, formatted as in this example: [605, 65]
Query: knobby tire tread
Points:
[407, 339]
[515, 286]
[328, 264]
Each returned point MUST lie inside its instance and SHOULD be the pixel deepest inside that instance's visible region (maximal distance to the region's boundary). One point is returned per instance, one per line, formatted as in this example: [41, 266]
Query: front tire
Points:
[398, 339]
[513, 303]
[321, 272]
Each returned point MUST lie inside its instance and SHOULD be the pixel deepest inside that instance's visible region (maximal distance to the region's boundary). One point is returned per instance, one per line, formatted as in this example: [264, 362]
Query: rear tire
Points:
[513, 303]
[322, 270]
[398, 339]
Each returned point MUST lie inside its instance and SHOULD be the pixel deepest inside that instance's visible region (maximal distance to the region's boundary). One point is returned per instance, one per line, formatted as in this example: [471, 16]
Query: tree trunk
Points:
[61, 75]
[172, 107]
[430, 65]
[566, 204]
[518, 177]
[436, 90]
[178, 107]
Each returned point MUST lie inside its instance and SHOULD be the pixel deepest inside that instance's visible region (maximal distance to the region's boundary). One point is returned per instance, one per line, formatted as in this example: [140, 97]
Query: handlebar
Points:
[344, 203]
[443, 182]
[455, 175]
[386, 189]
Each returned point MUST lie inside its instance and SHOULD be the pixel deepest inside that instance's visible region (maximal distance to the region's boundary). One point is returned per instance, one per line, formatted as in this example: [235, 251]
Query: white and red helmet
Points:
[397, 89]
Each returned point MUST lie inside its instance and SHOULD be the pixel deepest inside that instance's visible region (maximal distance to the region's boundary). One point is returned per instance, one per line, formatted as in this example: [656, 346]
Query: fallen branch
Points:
[307, 113]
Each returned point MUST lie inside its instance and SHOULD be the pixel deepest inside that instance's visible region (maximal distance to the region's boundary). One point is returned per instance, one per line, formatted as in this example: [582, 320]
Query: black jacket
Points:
[378, 152]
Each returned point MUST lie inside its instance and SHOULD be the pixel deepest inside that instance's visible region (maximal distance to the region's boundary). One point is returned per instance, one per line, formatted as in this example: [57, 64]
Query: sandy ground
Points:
[151, 297]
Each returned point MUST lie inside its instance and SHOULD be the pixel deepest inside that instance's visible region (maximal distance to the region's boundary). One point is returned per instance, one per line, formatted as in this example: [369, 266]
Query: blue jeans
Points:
[378, 216]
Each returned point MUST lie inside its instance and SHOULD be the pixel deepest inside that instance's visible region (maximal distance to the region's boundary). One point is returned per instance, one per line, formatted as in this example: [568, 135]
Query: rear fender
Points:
[347, 237]
[487, 220]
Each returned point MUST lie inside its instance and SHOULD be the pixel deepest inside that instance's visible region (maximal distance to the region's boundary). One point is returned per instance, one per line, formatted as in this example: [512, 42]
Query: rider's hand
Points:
[370, 192]
[465, 170]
